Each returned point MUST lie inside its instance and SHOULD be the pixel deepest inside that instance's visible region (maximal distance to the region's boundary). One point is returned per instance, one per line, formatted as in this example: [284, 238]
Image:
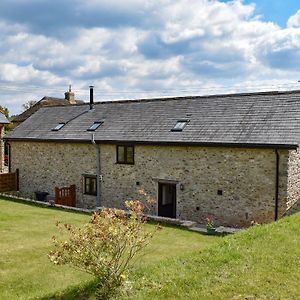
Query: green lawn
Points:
[262, 262]
[25, 240]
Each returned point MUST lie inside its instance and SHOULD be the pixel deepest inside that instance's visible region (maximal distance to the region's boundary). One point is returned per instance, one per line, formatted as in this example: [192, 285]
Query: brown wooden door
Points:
[167, 200]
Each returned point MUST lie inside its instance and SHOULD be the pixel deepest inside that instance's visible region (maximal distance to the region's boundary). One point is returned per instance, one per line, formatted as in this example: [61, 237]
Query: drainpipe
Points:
[98, 200]
[276, 184]
[98, 171]
[7, 144]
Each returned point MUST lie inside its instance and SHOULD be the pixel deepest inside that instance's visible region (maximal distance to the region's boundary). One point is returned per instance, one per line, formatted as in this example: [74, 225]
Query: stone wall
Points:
[43, 166]
[293, 185]
[246, 177]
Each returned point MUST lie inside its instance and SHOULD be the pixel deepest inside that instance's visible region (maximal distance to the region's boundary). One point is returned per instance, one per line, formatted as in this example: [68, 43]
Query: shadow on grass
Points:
[82, 292]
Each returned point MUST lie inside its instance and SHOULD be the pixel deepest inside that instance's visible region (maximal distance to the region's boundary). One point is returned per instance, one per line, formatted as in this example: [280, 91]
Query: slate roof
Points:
[270, 119]
[45, 101]
[3, 119]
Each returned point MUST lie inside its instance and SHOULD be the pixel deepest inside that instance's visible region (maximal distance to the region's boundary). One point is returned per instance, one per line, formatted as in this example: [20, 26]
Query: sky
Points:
[131, 49]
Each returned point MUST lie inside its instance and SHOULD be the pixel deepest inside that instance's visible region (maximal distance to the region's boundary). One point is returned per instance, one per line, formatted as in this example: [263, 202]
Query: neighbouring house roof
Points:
[269, 119]
[45, 101]
[3, 119]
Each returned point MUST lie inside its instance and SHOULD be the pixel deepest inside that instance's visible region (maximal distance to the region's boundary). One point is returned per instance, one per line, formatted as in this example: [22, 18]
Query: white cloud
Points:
[138, 48]
[294, 21]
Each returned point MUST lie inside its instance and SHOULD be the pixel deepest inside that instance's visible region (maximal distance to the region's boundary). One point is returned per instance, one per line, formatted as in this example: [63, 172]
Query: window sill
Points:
[124, 163]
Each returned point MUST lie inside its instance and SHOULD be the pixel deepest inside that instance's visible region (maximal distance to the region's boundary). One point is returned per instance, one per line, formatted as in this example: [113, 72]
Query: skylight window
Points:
[179, 126]
[58, 127]
[94, 126]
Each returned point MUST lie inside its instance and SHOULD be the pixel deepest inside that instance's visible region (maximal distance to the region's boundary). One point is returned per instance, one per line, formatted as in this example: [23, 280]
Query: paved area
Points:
[219, 229]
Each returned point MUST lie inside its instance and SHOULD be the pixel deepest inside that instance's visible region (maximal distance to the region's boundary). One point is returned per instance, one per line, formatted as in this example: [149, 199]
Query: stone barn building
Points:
[234, 157]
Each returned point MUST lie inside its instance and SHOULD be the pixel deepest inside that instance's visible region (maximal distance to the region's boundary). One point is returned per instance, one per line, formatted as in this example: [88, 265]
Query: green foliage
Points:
[210, 222]
[105, 247]
[4, 111]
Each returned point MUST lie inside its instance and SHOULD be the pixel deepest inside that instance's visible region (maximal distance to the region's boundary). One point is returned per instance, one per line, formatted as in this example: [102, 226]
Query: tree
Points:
[28, 104]
[105, 247]
[5, 111]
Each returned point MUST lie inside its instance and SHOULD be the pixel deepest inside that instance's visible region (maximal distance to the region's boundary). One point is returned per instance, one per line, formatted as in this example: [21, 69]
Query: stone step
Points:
[188, 224]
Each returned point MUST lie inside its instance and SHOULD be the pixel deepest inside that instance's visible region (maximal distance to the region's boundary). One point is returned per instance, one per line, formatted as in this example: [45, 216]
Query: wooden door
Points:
[167, 200]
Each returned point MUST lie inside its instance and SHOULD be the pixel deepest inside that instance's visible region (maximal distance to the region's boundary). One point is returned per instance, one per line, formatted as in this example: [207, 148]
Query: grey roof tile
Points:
[3, 119]
[260, 118]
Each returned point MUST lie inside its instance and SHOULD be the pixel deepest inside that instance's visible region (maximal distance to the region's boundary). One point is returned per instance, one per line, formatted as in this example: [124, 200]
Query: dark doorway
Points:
[167, 200]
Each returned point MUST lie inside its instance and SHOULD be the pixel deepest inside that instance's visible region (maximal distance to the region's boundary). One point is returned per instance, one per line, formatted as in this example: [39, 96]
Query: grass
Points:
[262, 262]
[25, 240]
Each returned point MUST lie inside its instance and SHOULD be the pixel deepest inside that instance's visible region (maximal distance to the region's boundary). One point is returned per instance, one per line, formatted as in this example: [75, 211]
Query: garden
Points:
[261, 262]
[26, 233]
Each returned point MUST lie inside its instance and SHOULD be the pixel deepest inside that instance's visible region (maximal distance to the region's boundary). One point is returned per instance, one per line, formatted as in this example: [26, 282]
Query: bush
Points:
[105, 247]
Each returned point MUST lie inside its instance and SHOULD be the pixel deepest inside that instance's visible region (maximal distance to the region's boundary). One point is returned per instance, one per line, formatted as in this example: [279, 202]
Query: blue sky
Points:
[277, 11]
[141, 48]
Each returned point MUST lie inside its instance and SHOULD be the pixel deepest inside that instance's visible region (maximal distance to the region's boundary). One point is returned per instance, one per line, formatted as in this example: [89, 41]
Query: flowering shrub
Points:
[210, 222]
[52, 202]
[105, 247]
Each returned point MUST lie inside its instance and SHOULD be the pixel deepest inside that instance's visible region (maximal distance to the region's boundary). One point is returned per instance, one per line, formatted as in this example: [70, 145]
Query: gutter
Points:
[163, 143]
[277, 184]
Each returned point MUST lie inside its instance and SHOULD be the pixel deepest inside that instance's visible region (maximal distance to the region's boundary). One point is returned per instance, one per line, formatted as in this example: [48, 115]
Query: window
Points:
[90, 185]
[179, 126]
[125, 154]
[94, 126]
[58, 127]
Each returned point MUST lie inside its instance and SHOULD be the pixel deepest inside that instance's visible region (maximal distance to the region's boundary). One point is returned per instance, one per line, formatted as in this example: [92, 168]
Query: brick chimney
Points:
[70, 96]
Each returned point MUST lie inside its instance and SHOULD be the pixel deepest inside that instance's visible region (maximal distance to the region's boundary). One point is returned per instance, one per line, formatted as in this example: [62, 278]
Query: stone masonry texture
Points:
[246, 178]
[293, 185]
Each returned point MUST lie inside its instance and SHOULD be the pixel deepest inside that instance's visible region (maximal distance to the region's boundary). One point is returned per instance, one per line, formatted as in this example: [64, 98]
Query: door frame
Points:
[174, 203]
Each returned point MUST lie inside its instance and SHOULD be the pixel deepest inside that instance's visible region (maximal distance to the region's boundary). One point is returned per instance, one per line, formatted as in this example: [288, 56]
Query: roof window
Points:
[179, 126]
[58, 127]
[94, 126]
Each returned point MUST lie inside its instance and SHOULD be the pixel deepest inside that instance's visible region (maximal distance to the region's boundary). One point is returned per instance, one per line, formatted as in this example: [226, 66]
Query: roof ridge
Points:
[170, 98]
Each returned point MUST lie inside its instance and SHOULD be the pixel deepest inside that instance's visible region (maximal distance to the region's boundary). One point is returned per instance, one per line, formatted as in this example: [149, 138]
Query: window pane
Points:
[95, 126]
[130, 155]
[179, 125]
[90, 185]
[87, 189]
[58, 127]
[93, 186]
[121, 154]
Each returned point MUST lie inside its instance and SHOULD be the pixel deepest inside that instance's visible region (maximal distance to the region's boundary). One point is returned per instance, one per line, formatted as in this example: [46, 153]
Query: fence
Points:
[9, 181]
[66, 195]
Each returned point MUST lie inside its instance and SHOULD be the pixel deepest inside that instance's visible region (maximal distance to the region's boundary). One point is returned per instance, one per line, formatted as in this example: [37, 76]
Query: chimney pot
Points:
[91, 96]
[70, 96]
